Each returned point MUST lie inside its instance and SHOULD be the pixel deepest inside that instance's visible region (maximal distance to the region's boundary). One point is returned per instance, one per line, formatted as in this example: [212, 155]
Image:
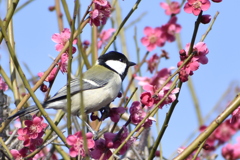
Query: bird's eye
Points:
[121, 60]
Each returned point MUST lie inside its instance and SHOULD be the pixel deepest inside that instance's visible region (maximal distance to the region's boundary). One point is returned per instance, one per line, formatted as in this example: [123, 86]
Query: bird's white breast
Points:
[95, 99]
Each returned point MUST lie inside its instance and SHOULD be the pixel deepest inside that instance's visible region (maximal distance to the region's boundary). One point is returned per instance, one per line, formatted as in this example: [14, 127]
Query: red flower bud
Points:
[182, 52]
[206, 146]
[86, 43]
[51, 8]
[43, 88]
[119, 95]
[217, 1]
[157, 153]
[94, 117]
[205, 19]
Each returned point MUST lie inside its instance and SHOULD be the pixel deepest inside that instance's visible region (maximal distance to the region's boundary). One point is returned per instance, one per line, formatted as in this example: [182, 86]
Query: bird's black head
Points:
[117, 62]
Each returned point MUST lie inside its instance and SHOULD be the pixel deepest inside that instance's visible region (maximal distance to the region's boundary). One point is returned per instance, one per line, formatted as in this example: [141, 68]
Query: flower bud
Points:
[157, 153]
[182, 52]
[51, 8]
[205, 19]
[164, 54]
[94, 117]
[119, 95]
[43, 88]
[206, 146]
[217, 1]
[179, 63]
[86, 43]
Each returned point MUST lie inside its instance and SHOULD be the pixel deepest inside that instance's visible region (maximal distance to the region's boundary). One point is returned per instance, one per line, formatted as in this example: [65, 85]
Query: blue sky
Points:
[34, 26]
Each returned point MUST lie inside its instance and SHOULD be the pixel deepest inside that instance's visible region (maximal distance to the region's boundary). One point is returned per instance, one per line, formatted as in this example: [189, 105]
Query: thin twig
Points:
[210, 27]
[6, 148]
[143, 121]
[39, 83]
[208, 131]
[42, 146]
[120, 27]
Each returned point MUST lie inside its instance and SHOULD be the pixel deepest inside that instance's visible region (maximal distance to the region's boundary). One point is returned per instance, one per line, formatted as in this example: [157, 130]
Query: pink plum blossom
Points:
[76, 143]
[235, 115]
[221, 135]
[51, 76]
[99, 15]
[228, 152]
[22, 134]
[101, 2]
[224, 132]
[188, 69]
[159, 96]
[32, 133]
[143, 80]
[152, 38]
[200, 51]
[172, 8]
[114, 140]
[62, 38]
[161, 76]
[170, 29]
[153, 62]
[43, 153]
[196, 6]
[35, 127]
[149, 122]
[115, 113]
[147, 99]
[33, 144]
[210, 142]
[63, 63]
[157, 80]
[171, 97]
[104, 37]
[101, 150]
[3, 85]
[232, 151]
[137, 114]
[19, 155]
[183, 75]
[193, 65]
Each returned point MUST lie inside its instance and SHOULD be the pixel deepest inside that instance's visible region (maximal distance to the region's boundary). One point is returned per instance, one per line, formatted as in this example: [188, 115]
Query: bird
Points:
[99, 86]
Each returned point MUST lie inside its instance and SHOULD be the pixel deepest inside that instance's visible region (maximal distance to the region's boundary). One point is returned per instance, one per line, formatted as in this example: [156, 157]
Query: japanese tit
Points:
[99, 87]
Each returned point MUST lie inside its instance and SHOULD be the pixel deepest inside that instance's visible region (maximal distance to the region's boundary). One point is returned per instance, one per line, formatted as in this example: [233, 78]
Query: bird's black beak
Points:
[131, 64]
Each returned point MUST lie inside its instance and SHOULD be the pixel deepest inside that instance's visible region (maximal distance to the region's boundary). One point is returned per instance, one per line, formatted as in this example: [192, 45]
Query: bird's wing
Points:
[76, 87]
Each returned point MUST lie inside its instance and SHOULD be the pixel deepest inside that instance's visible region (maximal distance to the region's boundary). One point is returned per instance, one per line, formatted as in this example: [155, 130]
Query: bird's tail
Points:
[24, 111]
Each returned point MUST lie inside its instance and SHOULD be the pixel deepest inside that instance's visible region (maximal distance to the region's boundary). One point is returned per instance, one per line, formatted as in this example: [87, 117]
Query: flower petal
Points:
[73, 152]
[71, 140]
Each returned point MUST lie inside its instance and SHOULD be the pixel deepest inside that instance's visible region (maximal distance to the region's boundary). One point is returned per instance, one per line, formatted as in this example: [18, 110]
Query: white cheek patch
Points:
[117, 66]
